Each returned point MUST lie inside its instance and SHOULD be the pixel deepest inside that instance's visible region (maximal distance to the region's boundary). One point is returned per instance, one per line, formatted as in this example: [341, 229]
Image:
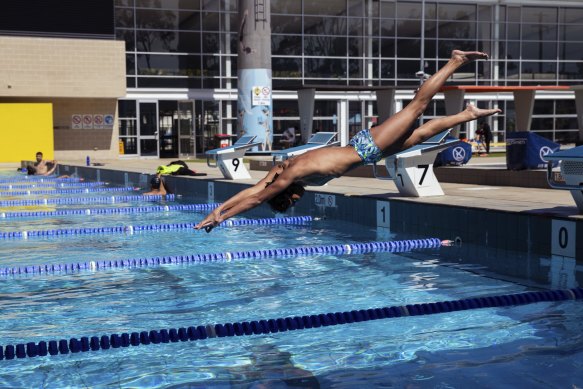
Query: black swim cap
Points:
[155, 182]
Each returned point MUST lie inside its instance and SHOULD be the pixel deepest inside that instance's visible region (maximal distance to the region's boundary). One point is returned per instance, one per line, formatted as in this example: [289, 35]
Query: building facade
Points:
[181, 64]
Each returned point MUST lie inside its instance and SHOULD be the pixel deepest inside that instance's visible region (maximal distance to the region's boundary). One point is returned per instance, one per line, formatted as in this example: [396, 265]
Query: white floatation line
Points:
[69, 191]
[105, 211]
[337, 249]
[86, 200]
[53, 184]
[149, 227]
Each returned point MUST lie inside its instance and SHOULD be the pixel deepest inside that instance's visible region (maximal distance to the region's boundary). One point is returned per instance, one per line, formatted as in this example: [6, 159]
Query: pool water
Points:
[537, 345]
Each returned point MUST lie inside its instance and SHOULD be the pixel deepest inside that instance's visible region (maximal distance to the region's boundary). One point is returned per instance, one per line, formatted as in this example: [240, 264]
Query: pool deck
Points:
[550, 202]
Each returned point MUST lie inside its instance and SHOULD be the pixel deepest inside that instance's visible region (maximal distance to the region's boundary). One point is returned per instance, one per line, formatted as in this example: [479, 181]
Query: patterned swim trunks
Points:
[365, 147]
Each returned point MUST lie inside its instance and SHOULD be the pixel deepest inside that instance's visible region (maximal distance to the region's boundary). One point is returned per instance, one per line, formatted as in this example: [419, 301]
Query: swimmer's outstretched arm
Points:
[246, 200]
[52, 170]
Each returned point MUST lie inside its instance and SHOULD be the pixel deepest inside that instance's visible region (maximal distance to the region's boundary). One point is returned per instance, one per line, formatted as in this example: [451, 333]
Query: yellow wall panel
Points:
[24, 130]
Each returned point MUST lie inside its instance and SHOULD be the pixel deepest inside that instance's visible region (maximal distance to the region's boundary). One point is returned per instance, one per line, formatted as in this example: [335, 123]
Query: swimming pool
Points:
[508, 347]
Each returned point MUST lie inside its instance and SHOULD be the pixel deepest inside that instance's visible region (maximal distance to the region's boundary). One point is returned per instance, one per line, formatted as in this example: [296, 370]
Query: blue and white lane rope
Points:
[86, 200]
[107, 211]
[69, 191]
[39, 179]
[282, 324]
[129, 229]
[53, 185]
[338, 249]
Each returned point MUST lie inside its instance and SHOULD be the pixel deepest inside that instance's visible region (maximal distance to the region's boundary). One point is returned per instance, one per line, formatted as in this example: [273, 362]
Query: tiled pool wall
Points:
[529, 233]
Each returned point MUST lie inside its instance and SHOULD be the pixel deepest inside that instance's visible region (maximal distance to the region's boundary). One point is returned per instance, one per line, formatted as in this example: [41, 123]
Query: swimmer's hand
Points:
[211, 221]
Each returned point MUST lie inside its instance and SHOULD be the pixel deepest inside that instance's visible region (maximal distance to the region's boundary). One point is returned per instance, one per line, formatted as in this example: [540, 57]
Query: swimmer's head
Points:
[155, 182]
[30, 170]
[39, 156]
[283, 200]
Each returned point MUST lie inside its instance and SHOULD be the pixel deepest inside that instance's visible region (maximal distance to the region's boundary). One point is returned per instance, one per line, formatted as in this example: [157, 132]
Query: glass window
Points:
[408, 10]
[387, 27]
[355, 47]
[286, 44]
[130, 64]
[281, 24]
[387, 47]
[168, 82]
[388, 69]
[409, 28]
[544, 107]
[189, 20]
[357, 8]
[572, 15]
[124, 17]
[127, 108]
[407, 69]
[124, 3]
[355, 27]
[408, 48]
[325, 46]
[541, 32]
[127, 36]
[571, 71]
[457, 30]
[513, 31]
[572, 32]
[355, 68]
[328, 7]
[211, 66]
[210, 5]
[169, 65]
[325, 68]
[539, 50]
[539, 70]
[211, 21]
[211, 43]
[456, 12]
[326, 26]
[387, 10]
[286, 67]
[168, 41]
[159, 20]
[286, 7]
[565, 107]
[286, 108]
[513, 50]
[534, 15]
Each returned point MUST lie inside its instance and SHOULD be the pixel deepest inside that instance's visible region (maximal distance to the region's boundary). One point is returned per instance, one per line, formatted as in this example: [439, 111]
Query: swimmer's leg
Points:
[436, 126]
[390, 135]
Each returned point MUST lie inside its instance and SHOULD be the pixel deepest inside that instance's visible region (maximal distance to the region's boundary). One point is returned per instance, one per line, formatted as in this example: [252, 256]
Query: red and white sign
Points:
[87, 121]
[98, 121]
[76, 121]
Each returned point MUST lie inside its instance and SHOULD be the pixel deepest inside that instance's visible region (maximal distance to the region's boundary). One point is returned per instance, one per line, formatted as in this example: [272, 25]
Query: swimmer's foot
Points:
[476, 113]
[467, 56]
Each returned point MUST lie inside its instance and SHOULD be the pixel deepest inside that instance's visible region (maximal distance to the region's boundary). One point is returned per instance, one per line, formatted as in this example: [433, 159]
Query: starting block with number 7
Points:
[412, 169]
[229, 160]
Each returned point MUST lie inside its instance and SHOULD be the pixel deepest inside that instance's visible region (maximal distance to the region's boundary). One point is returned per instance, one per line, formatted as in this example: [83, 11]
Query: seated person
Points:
[157, 186]
[43, 167]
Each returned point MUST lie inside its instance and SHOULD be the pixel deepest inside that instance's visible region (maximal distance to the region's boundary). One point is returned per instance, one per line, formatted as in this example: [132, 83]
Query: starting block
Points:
[571, 170]
[412, 169]
[229, 160]
[317, 141]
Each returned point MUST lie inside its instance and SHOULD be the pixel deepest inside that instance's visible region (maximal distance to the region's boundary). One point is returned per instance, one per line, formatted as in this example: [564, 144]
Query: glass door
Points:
[148, 128]
[186, 130]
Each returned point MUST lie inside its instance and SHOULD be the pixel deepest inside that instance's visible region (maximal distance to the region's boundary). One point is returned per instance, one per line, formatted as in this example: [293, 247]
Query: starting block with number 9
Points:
[229, 160]
[412, 169]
